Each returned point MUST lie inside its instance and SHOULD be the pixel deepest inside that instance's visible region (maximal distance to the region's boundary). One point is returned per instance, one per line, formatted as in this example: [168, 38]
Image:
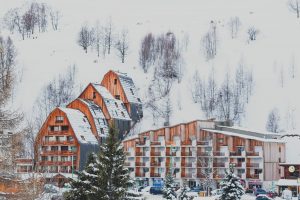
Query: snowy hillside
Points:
[270, 56]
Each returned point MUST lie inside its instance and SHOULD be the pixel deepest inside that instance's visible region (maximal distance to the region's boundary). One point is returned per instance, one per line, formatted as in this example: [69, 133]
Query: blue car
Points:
[259, 191]
[156, 190]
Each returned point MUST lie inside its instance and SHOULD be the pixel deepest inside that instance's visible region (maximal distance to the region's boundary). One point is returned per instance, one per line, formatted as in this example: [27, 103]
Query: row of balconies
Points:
[54, 152]
[62, 142]
[61, 163]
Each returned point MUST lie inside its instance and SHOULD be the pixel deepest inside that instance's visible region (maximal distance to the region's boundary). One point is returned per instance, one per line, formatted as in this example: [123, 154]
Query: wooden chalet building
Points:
[190, 149]
[69, 134]
[290, 178]
[122, 87]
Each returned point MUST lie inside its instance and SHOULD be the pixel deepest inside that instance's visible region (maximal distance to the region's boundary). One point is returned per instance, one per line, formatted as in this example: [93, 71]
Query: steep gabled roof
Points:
[115, 107]
[129, 88]
[98, 117]
[80, 126]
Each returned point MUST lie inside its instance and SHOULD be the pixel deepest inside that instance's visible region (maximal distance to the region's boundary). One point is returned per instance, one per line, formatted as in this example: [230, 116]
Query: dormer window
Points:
[117, 97]
[94, 95]
[59, 119]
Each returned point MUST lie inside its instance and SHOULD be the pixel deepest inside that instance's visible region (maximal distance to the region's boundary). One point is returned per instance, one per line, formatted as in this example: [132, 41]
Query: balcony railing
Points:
[140, 153]
[252, 153]
[238, 164]
[203, 143]
[186, 153]
[188, 175]
[140, 174]
[219, 176]
[256, 165]
[140, 164]
[252, 176]
[155, 154]
[171, 154]
[200, 175]
[201, 153]
[155, 143]
[186, 142]
[235, 153]
[219, 153]
[49, 152]
[219, 164]
[155, 164]
[61, 132]
[141, 143]
[126, 164]
[155, 175]
[58, 142]
[186, 164]
[62, 163]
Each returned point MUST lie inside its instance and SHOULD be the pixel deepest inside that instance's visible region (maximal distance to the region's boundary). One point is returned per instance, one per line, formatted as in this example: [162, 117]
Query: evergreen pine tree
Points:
[183, 193]
[168, 189]
[104, 177]
[114, 178]
[231, 187]
[82, 186]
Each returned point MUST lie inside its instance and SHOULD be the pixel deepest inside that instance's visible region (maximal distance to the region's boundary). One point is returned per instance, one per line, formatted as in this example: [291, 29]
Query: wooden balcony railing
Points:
[170, 153]
[140, 153]
[155, 143]
[219, 176]
[64, 132]
[155, 154]
[188, 142]
[252, 176]
[155, 175]
[237, 164]
[58, 152]
[58, 142]
[155, 164]
[253, 165]
[62, 163]
[235, 153]
[141, 143]
[200, 175]
[219, 164]
[203, 143]
[219, 153]
[186, 153]
[186, 164]
[252, 153]
[201, 153]
[140, 164]
[188, 175]
[140, 174]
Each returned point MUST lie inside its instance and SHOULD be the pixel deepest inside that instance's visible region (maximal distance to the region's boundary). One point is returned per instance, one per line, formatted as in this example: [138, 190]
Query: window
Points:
[279, 171]
[115, 81]
[220, 140]
[102, 131]
[54, 128]
[279, 160]
[131, 91]
[73, 148]
[94, 95]
[117, 97]
[64, 128]
[54, 148]
[9, 133]
[64, 148]
[70, 139]
[116, 105]
[279, 149]
[59, 119]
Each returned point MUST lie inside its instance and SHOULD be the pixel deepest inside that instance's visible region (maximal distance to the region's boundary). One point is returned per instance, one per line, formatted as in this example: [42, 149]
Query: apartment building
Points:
[201, 150]
[70, 134]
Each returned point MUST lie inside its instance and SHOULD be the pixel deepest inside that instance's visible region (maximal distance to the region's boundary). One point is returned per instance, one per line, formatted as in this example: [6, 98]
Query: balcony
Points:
[201, 153]
[188, 175]
[218, 153]
[187, 164]
[58, 142]
[238, 164]
[186, 143]
[204, 143]
[253, 165]
[155, 175]
[186, 153]
[237, 153]
[140, 174]
[200, 175]
[64, 153]
[61, 132]
[219, 176]
[171, 154]
[219, 164]
[155, 154]
[252, 176]
[253, 154]
[65, 170]
[62, 163]
[155, 164]
[140, 154]
[155, 143]
[140, 164]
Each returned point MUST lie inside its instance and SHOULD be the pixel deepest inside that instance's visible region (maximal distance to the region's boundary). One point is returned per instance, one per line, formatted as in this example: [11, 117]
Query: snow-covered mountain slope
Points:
[276, 48]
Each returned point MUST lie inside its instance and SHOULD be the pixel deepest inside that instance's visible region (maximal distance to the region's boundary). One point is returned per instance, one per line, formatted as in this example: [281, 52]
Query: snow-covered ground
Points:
[277, 47]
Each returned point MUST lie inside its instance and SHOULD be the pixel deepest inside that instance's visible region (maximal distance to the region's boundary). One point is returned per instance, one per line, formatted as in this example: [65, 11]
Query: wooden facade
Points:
[190, 148]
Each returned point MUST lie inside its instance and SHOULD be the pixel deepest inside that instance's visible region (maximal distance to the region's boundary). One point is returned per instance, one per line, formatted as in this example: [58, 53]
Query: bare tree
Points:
[108, 35]
[58, 92]
[209, 42]
[294, 6]
[98, 36]
[85, 37]
[234, 26]
[293, 68]
[55, 17]
[146, 53]
[207, 172]
[122, 45]
[273, 121]
[252, 33]
[282, 77]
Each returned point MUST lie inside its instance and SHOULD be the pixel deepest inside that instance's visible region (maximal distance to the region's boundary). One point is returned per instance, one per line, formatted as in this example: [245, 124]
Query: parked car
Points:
[259, 191]
[249, 191]
[156, 190]
[272, 194]
[262, 197]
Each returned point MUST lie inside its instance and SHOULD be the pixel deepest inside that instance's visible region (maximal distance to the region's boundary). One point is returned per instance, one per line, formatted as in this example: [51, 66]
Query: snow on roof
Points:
[80, 125]
[115, 107]
[98, 116]
[288, 182]
[244, 136]
[250, 130]
[129, 88]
